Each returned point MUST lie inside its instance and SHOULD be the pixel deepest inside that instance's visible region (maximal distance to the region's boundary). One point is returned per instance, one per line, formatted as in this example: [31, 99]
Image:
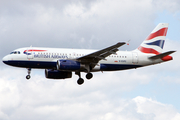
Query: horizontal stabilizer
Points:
[159, 56]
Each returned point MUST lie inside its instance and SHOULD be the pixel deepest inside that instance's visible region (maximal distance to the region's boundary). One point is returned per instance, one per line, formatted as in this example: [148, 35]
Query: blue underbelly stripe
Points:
[31, 64]
[111, 67]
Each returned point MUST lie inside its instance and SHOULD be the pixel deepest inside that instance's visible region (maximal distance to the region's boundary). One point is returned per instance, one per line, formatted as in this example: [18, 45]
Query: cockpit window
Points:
[15, 52]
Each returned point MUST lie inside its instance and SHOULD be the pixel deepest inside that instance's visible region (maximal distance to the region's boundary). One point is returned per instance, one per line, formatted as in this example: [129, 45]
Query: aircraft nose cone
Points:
[5, 59]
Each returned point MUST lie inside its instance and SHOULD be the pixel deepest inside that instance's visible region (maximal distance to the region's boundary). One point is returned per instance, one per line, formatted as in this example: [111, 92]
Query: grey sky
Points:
[81, 23]
[86, 24]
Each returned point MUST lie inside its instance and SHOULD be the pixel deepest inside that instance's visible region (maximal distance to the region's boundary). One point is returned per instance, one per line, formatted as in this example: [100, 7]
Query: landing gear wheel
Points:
[89, 75]
[29, 72]
[28, 77]
[80, 81]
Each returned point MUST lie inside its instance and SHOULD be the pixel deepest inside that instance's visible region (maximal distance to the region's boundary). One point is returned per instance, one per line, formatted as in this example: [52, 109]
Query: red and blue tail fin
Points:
[154, 43]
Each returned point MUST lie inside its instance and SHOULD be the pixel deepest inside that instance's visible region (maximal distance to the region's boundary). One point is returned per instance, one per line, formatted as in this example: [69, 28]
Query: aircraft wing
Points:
[95, 57]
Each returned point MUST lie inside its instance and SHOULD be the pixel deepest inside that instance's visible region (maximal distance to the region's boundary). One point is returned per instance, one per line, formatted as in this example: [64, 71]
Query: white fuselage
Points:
[46, 58]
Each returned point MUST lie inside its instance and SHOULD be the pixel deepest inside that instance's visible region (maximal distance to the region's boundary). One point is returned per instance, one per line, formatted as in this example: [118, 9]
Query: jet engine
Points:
[56, 74]
[69, 65]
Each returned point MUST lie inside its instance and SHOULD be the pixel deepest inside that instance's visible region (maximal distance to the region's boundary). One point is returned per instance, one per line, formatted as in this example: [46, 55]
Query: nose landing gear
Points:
[28, 77]
[29, 72]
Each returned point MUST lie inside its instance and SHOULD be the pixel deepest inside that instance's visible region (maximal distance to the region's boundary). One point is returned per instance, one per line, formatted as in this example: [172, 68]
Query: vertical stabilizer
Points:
[154, 43]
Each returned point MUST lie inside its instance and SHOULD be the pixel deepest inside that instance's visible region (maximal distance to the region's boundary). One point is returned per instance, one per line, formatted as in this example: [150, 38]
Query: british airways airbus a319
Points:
[60, 63]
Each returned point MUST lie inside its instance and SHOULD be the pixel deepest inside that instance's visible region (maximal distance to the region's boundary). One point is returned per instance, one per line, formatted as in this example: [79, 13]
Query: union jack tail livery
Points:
[154, 43]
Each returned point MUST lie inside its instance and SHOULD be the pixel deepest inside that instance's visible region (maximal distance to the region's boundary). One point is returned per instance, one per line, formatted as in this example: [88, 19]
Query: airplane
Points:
[59, 63]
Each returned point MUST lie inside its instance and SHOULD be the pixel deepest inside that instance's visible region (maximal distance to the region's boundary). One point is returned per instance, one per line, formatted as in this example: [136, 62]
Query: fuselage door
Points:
[29, 53]
[134, 58]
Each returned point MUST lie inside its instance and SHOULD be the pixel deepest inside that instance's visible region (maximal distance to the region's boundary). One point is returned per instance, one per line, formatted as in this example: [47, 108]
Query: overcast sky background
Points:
[149, 93]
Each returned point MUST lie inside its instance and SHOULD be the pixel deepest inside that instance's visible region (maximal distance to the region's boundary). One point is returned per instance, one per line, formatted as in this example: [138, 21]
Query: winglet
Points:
[128, 42]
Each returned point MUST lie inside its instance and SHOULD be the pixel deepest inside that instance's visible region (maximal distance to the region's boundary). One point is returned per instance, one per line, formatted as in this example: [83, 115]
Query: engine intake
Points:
[56, 74]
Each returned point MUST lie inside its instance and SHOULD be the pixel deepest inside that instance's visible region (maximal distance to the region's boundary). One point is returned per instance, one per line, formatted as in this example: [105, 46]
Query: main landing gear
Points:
[29, 72]
[89, 75]
[80, 81]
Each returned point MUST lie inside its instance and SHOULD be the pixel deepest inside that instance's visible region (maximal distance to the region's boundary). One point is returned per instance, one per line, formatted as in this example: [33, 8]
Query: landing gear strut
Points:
[29, 72]
[80, 81]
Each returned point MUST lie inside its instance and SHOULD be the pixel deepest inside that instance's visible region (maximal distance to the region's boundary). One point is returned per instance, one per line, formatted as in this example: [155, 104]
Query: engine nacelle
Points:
[68, 65]
[56, 74]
